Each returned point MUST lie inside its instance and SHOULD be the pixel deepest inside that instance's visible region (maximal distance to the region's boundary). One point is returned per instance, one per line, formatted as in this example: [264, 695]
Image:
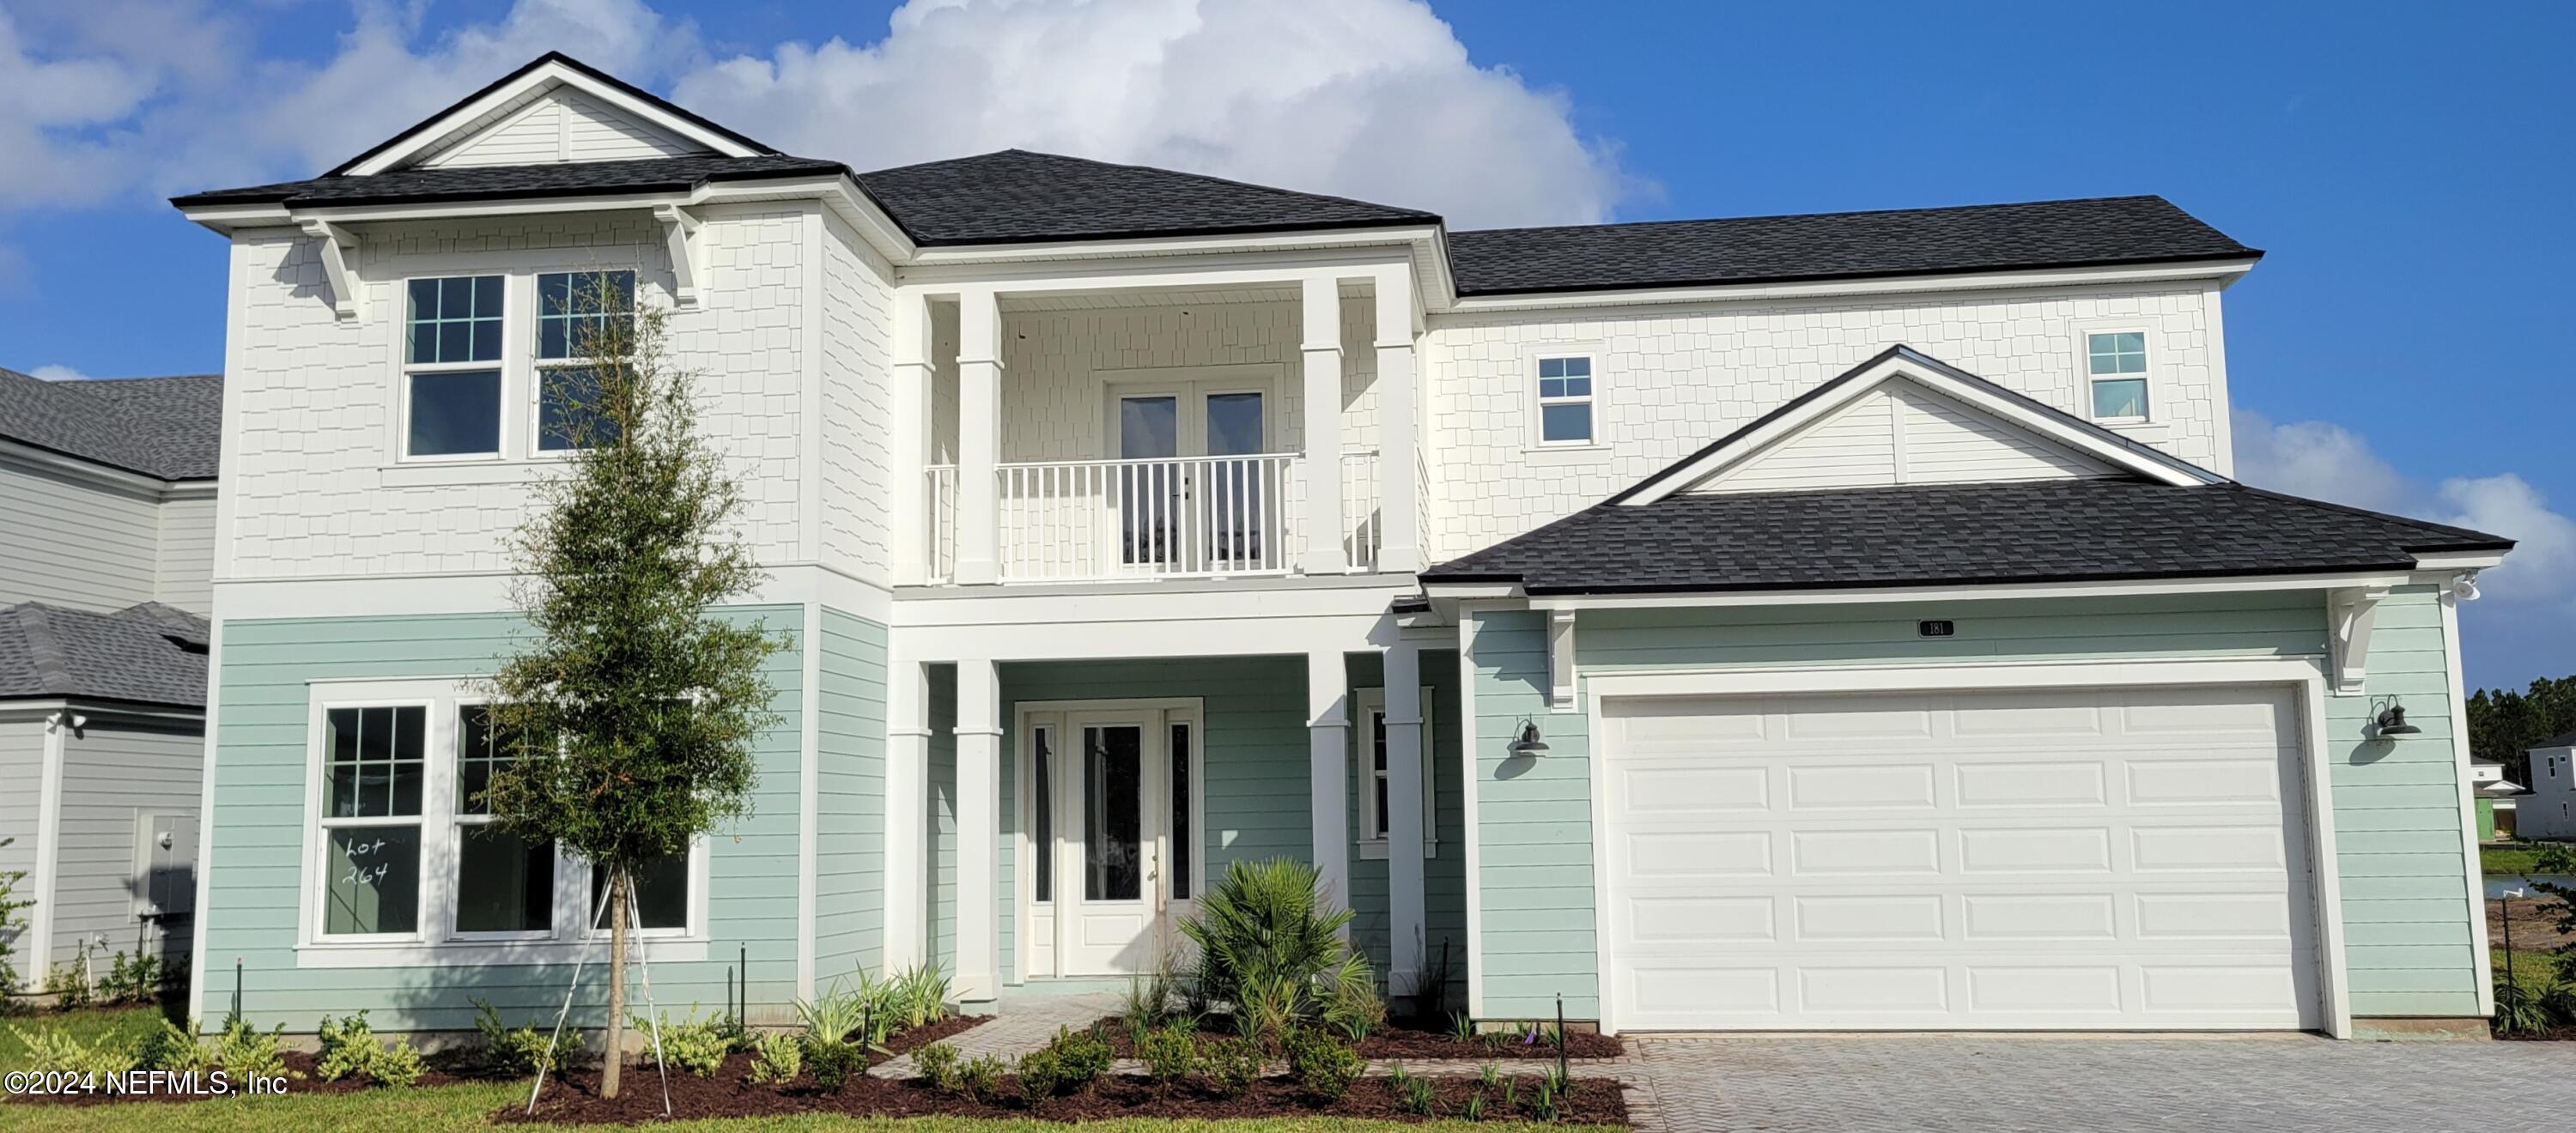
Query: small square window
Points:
[455, 320]
[1565, 400]
[2116, 365]
[453, 413]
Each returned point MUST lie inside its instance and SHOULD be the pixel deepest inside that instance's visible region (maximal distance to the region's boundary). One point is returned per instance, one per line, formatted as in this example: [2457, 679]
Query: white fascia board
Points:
[2224, 270]
[229, 219]
[1870, 595]
[1671, 481]
[438, 133]
[990, 262]
[837, 192]
[2453, 562]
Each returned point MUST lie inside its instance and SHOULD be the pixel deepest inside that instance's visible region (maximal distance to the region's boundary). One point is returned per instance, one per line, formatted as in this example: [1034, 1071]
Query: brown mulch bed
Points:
[905, 1042]
[1397, 1041]
[576, 1101]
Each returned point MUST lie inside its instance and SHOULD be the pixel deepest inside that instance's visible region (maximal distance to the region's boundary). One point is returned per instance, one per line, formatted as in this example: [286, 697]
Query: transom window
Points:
[1374, 795]
[1565, 400]
[451, 374]
[406, 851]
[2116, 364]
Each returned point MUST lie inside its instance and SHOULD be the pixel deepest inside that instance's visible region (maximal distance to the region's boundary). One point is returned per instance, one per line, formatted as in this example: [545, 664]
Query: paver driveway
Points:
[1860, 1084]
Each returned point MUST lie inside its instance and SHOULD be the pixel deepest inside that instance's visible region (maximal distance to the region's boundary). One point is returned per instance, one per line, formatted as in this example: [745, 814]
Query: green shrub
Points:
[833, 1062]
[2560, 1004]
[1322, 1066]
[1265, 939]
[69, 982]
[834, 1015]
[1489, 1075]
[133, 977]
[11, 924]
[777, 1058]
[919, 996]
[54, 1050]
[176, 1049]
[1474, 1110]
[514, 1053]
[980, 1078]
[1170, 1052]
[693, 1045]
[937, 1066]
[245, 1053]
[1351, 1003]
[1418, 1096]
[1231, 1065]
[1544, 1101]
[350, 1049]
[1084, 1055]
[1040, 1072]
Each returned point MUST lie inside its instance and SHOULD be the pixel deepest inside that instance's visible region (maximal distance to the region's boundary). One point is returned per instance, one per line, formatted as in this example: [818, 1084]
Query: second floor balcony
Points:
[1260, 430]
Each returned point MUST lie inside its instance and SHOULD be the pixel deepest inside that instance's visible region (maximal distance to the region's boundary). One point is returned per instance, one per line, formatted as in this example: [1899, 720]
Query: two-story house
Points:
[107, 524]
[1837, 621]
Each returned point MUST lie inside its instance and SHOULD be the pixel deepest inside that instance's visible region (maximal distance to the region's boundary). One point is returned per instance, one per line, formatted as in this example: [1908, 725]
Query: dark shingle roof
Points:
[1959, 534]
[166, 427]
[1016, 195]
[149, 654]
[2563, 739]
[1777, 249]
[510, 182]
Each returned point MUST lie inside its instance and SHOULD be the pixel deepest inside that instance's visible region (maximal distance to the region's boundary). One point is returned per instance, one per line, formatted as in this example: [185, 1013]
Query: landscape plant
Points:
[628, 708]
[1170, 1053]
[833, 1062]
[1322, 1066]
[11, 924]
[53, 1050]
[980, 1078]
[350, 1049]
[512, 1052]
[1230, 1065]
[937, 1066]
[777, 1058]
[693, 1045]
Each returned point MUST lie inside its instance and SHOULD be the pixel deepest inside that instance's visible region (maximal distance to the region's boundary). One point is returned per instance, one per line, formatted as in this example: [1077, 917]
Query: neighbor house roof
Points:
[171, 428]
[2563, 739]
[2094, 232]
[146, 654]
[1951, 534]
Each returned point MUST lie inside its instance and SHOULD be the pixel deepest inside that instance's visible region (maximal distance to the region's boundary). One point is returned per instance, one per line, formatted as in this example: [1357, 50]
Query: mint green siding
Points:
[255, 872]
[1444, 874]
[2397, 810]
[849, 844]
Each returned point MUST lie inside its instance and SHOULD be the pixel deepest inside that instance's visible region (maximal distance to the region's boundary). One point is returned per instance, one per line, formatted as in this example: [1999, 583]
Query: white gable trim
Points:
[1896, 364]
[1898, 434]
[501, 100]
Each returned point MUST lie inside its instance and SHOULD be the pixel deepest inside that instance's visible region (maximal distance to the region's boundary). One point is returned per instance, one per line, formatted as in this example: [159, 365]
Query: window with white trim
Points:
[1565, 400]
[452, 335]
[2115, 363]
[1373, 773]
[404, 847]
[573, 310]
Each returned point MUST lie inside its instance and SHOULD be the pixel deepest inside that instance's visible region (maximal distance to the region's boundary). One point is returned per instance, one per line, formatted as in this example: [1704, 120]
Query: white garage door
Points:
[2095, 859]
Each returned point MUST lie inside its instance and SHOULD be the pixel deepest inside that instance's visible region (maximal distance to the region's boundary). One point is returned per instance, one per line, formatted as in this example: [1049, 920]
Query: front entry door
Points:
[1112, 803]
[1111, 843]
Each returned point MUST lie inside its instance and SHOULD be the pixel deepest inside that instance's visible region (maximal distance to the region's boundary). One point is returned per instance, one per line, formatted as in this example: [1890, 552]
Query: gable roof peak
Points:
[531, 81]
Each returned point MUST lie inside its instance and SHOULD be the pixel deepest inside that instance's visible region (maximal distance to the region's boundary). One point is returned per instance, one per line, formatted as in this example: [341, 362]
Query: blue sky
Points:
[2406, 169]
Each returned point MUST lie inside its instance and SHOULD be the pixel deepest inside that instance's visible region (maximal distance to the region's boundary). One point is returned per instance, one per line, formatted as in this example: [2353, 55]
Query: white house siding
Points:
[856, 478]
[1944, 442]
[73, 542]
[114, 772]
[1669, 380]
[184, 564]
[317, 394]
[563, 126]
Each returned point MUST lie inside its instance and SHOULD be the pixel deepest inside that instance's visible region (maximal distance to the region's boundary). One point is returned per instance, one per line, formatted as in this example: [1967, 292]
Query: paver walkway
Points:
[1861, 1084]
[1018, 1026]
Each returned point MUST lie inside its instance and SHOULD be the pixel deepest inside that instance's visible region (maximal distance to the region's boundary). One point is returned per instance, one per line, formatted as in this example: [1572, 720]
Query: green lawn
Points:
[2517, 858]
[468, 1106]
[2531, 969]
[131, 1024]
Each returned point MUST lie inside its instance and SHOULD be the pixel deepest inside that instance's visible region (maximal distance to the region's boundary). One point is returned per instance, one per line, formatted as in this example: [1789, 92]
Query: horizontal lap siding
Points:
[114, 772]
[2397, 810]
[255, 870]
[74, 544]
[1444, 874]
[849, 881]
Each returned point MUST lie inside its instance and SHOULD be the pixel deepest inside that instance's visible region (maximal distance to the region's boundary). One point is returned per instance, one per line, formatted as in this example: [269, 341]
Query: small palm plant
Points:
[1267, 945]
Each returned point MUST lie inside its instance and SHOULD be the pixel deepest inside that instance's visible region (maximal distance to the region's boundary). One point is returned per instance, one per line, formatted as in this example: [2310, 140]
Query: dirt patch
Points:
[908, 1041]
[1396, 1042]
[728, 1094]
[2535, 924]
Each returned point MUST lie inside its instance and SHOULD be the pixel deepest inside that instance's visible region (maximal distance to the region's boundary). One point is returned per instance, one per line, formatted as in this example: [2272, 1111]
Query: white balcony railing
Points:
[1178, 517]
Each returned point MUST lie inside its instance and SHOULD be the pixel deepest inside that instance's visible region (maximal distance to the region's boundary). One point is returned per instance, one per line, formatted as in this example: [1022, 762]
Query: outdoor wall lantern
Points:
[1529, 743]
[2391, 723]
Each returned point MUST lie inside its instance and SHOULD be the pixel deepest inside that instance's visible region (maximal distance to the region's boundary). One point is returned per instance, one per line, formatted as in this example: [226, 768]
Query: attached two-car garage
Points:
[2024, 858]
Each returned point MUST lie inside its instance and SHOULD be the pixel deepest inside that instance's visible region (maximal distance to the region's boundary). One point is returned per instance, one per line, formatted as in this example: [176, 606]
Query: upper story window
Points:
[576, 312]
[451, 399]
[2116, 364]
[1565, 400]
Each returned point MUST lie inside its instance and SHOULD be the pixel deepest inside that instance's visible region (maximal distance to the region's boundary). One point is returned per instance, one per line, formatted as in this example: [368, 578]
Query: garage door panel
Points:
[2096, 859]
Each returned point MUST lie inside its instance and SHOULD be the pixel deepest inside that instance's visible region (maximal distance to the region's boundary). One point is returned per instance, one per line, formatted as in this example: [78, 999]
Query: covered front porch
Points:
[1069, 813]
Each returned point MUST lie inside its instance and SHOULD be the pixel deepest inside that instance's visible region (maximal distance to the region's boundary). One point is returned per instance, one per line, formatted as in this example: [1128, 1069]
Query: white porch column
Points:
[1399, 474]
[1322, 306]
[1328, 774]
[907, 801]
[908, 439]
[979, 432]
[1404, 833]
[979, 827]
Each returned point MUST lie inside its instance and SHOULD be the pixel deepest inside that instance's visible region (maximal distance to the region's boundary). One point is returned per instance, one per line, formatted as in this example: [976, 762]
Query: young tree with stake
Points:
[629, 706]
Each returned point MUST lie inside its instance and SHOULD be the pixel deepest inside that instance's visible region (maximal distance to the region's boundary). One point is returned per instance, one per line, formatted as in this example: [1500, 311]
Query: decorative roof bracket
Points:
[680, 229]
[2350, 613]
[337, 245]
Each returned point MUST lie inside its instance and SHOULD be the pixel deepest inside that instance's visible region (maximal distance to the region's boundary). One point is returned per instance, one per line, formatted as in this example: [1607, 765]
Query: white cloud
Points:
[108, 100]
[57, 374]
[2323, 460]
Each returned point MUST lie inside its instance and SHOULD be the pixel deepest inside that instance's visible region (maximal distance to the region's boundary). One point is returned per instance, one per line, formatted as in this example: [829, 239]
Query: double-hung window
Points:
[1374, 796]
[1565, 400]
[578, 314]
[451, 398]
[2115, 362]
[505, 882]
[374, 764]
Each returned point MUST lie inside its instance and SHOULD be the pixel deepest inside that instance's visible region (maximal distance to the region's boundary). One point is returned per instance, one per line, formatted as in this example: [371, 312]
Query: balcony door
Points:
[1195, 491]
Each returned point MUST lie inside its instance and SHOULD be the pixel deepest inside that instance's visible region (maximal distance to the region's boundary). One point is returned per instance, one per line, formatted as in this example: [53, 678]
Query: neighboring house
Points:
[1835, 621]
[2495, 799]
[107, 493]
[2549, 811]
